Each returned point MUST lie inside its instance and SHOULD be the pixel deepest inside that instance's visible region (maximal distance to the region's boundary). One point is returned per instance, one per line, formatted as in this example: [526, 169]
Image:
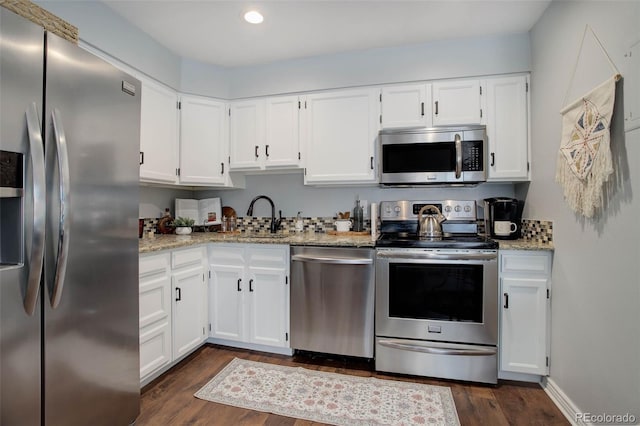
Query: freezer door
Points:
[21, 67]
[92, 133]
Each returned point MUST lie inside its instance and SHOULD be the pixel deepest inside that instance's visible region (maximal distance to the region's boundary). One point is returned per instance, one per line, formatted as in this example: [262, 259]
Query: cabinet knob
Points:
[239, 281]
[506, 300]
[256, 153]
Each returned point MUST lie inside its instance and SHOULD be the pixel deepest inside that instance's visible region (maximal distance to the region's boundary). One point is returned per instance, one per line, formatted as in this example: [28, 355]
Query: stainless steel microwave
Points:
[425, 156]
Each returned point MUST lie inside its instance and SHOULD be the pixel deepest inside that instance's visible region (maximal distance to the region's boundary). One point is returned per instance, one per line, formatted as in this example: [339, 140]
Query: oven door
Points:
[438, 295]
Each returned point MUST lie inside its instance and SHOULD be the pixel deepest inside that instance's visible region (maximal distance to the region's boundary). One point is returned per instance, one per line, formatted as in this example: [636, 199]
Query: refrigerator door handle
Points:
[63, 237]
[36, 257]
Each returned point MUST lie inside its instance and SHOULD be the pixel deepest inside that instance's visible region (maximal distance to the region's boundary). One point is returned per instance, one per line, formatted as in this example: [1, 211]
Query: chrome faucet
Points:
[275, 223]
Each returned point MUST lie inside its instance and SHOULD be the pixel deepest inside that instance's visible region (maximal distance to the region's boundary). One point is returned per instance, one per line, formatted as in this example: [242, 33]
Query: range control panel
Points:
[452, 210]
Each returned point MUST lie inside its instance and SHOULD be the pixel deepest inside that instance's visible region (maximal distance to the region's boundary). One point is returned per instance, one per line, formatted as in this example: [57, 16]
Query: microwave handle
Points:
[458, 156]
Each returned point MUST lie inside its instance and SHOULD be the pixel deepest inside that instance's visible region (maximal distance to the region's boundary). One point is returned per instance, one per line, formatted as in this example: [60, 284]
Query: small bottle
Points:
[299, 224]
[358, 217]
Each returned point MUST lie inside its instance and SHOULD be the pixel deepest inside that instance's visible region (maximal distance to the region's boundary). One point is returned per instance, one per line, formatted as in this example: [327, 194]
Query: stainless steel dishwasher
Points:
[332, 300]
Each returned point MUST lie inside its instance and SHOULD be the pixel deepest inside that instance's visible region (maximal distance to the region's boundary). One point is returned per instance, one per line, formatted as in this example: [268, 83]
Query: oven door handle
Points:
[437, 350]
[332, 260]
[438, 256]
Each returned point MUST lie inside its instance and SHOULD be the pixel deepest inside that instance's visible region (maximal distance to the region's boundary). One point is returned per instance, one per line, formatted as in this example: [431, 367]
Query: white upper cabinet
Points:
[282, 147]
[406, 105]
[247, 134]
[265, 133]
[158, 133]
[203, 141]
[339, 133]
[507, 120]
[456, 102]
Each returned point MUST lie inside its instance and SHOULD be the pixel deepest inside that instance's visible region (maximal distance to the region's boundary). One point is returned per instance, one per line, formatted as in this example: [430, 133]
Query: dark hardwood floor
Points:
[169, 399]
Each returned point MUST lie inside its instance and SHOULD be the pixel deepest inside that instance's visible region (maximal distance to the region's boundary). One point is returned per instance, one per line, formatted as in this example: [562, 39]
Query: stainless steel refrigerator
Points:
[69, 136]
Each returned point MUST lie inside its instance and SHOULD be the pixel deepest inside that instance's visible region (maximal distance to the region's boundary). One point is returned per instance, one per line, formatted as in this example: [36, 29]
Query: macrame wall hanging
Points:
[584, 160]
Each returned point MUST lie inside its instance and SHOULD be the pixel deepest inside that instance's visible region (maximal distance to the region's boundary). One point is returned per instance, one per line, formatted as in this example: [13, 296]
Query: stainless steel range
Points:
[436, 298]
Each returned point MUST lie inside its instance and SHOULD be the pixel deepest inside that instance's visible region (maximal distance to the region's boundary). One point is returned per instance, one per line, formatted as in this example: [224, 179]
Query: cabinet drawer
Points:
[155, 303]
[530, 263]
[155, 264]
[268, 257]
[155, 347]
[227, 255]
[182, 258]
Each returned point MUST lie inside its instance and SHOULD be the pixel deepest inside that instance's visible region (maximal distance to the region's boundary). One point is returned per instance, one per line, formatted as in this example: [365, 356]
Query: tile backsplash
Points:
[535, 230]
[540, 231]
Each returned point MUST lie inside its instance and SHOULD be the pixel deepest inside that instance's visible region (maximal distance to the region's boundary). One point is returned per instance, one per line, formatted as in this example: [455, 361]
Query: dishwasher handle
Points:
[332, 260]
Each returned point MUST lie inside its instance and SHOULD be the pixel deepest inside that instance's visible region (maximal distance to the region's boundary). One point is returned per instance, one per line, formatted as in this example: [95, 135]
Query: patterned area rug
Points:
[329, 397]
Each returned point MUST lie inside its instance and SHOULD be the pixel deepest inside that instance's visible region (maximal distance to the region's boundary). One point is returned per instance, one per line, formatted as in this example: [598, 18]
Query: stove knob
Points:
[447, 209]
[458, 208]
[467, 209]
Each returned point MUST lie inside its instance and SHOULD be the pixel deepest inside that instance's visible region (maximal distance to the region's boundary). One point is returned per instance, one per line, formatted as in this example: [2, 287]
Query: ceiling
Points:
[214, 32]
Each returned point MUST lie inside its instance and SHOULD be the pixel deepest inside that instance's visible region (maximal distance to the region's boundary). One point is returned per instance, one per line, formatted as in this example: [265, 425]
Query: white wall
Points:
[291, 196]
[154, 200]
[101, 27]
[428, 61]
[595, 340]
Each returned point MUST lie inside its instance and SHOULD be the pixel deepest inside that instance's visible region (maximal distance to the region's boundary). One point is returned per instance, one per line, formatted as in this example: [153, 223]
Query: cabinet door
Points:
[507, 106]
[456, 102]
[155, 313]
[406, 106]
[247, 135]
[282, 148]
[524, 325]
[158, 133]
[189, 289]
[267, 306]
[203, 141]
[340, 135]
[226, 290]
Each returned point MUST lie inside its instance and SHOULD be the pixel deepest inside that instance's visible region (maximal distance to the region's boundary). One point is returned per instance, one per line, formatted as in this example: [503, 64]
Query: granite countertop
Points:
[523, 244]
[165, 242]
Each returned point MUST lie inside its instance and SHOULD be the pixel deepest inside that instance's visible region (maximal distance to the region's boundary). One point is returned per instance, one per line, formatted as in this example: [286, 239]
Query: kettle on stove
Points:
[429, 226]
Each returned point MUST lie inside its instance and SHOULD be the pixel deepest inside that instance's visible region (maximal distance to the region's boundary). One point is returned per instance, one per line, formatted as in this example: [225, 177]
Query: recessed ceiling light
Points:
[253, 17]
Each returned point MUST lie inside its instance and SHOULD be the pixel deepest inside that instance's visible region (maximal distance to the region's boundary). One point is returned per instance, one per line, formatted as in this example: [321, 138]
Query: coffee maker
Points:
[503, 218]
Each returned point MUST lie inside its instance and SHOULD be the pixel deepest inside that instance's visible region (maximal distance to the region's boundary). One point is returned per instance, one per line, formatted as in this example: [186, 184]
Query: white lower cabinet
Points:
[249, 293]
[189, 294]
[155, 313]
[525, 286]
[173, 307]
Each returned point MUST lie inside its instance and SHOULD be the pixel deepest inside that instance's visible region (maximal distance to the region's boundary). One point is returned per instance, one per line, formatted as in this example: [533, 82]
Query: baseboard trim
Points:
[251, 346]
[562, 401]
